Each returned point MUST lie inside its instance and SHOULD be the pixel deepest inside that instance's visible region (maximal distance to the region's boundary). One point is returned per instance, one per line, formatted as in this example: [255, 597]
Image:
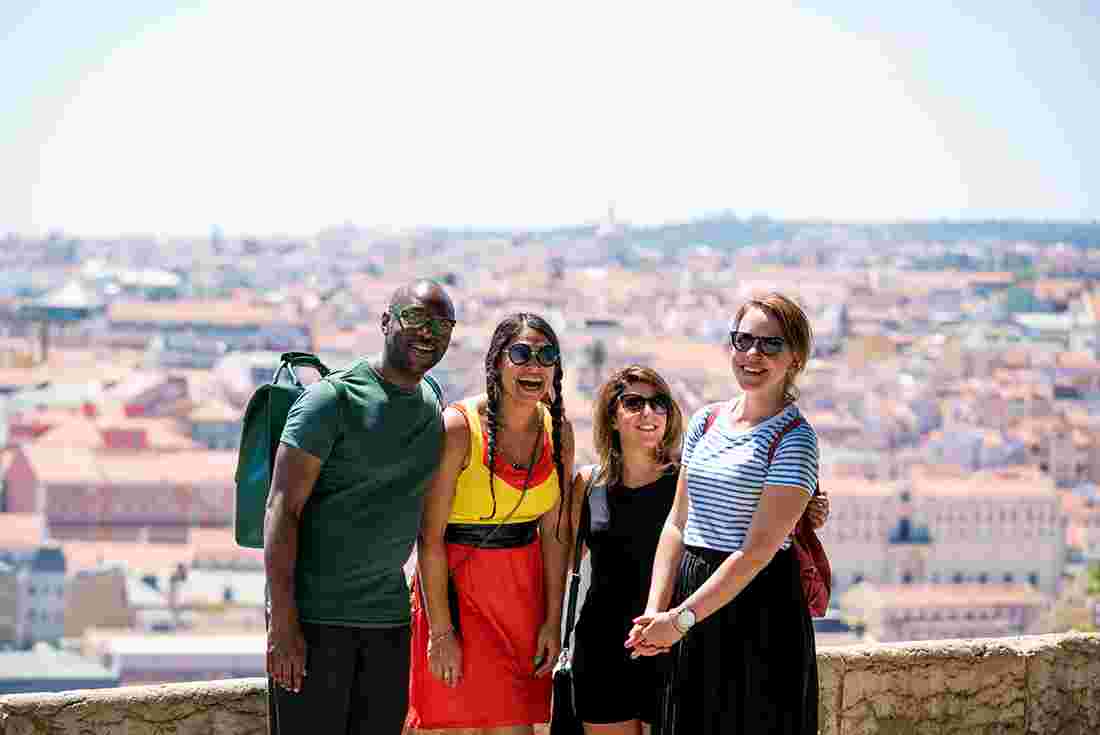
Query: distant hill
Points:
[728, 231]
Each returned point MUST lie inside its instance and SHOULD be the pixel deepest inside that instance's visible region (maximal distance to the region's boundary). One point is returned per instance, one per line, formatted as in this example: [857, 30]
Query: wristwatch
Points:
[683, 620]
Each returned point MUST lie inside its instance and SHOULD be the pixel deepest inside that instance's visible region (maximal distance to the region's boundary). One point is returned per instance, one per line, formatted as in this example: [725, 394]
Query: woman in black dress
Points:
[637, 428]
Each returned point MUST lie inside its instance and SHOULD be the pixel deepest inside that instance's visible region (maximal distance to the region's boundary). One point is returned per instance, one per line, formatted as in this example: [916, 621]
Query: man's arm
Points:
[292, 482]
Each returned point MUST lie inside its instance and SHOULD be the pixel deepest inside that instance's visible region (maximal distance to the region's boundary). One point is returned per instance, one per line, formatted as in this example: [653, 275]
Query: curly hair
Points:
[609, 469]
[507, 330]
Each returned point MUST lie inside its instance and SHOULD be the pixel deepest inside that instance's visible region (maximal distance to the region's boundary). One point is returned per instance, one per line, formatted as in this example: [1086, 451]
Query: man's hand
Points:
[286, 654]
[445, 657]
[547, 647]
[817, 512]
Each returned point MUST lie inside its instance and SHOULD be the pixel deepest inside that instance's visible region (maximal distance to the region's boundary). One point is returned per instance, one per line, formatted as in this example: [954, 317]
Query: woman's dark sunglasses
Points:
[635, 402]
[743, 342]
[547, 355]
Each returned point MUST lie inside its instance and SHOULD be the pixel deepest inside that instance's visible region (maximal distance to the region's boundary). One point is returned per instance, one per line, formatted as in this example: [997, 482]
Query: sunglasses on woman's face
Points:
[744, 341]
[546, 355]
[635, 403]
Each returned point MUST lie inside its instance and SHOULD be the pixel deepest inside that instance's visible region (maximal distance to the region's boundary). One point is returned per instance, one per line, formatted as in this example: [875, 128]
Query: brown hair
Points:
[796, 329]
[606, 437]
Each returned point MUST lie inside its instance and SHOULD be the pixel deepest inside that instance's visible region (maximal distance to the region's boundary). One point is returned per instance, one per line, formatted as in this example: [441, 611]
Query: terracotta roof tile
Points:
[839, 484]
[161, 434]
[226, 312]
[955, 595]
[205, 545]
[951, 481]
[73, 465]
[22, 530]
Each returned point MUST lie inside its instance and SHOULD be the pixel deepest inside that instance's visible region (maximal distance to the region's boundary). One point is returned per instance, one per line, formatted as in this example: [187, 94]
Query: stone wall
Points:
[1029, 684]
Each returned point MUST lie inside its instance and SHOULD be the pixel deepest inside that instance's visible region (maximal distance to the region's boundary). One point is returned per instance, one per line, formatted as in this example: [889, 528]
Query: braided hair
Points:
[505, 332]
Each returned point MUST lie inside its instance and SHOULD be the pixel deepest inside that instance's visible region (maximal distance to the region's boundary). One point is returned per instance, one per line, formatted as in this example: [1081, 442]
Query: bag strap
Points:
[575, 574]
[289, 360]
[793, 424]
[434, 384]
[712, 415]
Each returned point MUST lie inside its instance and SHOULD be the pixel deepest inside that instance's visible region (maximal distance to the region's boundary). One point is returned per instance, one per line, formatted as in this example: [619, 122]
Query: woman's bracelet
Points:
[433, 637]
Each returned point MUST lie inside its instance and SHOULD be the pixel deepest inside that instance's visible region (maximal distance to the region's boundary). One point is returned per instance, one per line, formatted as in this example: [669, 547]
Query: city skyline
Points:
[170, 117]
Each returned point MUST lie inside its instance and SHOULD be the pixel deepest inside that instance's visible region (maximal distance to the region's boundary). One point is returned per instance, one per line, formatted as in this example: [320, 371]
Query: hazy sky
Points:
[264, 116]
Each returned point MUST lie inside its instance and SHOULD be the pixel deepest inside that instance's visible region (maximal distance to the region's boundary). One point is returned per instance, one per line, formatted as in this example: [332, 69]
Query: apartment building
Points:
[947, 525]
[899, 612]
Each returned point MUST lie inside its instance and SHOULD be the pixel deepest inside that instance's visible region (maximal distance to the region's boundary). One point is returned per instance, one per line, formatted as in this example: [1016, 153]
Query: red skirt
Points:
[502, 604]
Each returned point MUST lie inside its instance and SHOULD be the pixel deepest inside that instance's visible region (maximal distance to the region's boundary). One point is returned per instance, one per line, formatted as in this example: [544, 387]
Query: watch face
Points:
[686, 618]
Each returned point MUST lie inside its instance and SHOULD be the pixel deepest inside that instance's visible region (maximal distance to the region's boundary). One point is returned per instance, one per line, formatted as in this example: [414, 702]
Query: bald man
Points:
[352, 465]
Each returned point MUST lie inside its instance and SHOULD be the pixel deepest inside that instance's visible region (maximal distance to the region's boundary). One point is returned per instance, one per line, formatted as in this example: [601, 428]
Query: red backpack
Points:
[813, 565]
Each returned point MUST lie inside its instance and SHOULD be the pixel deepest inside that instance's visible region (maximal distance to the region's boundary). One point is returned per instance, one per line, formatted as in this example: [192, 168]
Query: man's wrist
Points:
[284, 614]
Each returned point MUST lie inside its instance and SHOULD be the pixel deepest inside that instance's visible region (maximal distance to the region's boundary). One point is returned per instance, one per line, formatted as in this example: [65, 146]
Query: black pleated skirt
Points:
[751, 667]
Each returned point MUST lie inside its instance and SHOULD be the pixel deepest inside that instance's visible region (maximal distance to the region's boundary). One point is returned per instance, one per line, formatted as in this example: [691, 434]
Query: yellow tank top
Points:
[472, 502]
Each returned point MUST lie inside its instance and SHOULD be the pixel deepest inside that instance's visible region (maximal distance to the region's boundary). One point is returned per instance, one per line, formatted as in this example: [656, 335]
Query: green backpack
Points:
[261, 428]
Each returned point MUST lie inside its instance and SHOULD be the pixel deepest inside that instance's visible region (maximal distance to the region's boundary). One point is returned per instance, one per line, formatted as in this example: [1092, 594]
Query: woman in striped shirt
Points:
[726, 596]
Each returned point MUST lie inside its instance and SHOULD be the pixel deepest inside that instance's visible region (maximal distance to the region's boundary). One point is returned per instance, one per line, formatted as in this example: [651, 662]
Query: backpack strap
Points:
[712, 415]
[435, 389]
[793, 424]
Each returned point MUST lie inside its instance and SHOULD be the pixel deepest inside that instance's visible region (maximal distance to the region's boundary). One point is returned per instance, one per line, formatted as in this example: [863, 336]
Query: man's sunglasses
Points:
[744, 341]
[547, 355]
[417, 317]
[635, 403]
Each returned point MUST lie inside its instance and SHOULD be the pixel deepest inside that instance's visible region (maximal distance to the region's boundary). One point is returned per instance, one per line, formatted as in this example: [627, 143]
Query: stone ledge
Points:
[1028, 684]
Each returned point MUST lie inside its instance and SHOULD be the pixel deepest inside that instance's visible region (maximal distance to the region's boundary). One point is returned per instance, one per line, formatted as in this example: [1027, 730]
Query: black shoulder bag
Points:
[563, 713]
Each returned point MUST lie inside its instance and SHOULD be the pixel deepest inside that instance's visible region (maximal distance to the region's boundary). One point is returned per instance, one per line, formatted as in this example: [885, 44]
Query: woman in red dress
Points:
[493, 528]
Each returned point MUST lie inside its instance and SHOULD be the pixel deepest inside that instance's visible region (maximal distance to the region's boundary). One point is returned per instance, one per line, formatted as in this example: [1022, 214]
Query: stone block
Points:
[236, 706]
[831, 665]
[1063, 684]
[941, 687]
[1034, 684]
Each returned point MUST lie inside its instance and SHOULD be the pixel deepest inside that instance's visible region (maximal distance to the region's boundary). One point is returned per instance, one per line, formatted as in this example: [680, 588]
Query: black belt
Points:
[713, 557]
[489, 536]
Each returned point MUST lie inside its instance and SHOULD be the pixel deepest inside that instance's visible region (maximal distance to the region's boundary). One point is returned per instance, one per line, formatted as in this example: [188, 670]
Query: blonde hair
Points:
[606, 437]
[796, 329]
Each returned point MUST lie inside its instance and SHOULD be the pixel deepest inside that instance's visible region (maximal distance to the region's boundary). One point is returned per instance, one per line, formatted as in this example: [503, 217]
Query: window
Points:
[1008, 577]
[958, 578]
[983, 578]
[1033, 579]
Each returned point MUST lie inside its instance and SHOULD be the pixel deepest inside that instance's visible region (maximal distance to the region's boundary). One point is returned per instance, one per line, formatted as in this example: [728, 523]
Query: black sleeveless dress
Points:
[622, 539]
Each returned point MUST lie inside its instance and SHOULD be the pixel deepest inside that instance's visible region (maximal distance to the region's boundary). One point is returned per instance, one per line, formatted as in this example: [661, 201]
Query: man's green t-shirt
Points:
[379, 445]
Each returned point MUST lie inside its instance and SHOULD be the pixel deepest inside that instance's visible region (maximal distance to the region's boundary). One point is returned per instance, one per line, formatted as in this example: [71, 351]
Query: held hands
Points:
[286, 654]
[445, 657]
[547, 647]
[817, 512]
[653, 633]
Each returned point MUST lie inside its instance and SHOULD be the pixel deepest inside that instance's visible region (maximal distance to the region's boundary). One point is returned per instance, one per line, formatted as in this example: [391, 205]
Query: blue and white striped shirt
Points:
[727, 470]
